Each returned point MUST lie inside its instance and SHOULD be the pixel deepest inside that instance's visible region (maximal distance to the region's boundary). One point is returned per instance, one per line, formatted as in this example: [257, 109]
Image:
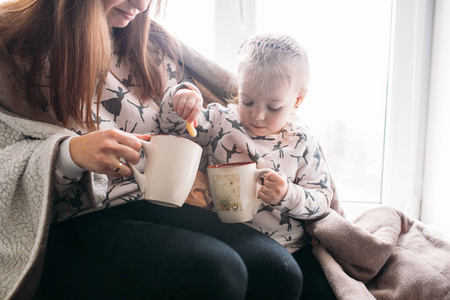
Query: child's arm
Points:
[310, 195]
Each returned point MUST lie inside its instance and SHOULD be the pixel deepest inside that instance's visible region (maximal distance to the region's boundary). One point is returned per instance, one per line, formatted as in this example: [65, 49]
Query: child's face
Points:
[266, 114]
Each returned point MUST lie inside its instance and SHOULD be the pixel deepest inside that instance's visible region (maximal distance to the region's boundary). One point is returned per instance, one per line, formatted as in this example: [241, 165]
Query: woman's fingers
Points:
[123, 138]
[120, 170]
[101, 151]
[144, 137]
[127, 153]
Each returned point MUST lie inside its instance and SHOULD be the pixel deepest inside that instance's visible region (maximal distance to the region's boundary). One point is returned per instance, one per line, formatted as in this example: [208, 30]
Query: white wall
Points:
[436, 192]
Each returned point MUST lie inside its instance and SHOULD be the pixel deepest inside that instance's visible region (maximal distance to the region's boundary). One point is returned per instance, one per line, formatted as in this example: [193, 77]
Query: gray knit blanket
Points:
[27, 157]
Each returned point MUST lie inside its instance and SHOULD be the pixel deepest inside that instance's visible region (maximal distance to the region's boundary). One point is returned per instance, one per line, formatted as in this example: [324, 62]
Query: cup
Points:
[233, 190]
[170, 169]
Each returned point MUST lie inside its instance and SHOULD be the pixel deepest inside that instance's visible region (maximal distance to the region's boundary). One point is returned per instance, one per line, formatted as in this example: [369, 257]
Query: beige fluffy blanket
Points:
[382, 254]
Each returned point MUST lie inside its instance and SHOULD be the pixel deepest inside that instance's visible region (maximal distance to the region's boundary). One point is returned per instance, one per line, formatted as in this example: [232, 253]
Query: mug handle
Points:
[258, 174]
[140, 177]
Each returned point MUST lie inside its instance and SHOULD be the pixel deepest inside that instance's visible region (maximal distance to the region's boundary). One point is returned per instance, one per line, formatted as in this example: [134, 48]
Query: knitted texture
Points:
[27, 155]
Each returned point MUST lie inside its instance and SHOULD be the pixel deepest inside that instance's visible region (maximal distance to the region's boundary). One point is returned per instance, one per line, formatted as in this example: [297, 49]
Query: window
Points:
[192, 22]
[348, 45]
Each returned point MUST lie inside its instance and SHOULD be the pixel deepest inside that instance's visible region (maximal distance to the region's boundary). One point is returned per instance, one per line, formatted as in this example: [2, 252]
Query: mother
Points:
[80, 85]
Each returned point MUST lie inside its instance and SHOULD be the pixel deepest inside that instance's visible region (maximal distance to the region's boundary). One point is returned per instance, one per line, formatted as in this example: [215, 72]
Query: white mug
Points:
[233, 190]
[170, 169]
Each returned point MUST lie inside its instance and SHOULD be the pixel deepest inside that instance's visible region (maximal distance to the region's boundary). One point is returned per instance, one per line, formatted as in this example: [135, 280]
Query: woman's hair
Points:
[73, 37]
[270, 58]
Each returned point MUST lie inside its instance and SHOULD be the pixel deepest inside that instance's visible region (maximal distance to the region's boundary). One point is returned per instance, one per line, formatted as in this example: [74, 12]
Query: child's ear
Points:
[301, 96]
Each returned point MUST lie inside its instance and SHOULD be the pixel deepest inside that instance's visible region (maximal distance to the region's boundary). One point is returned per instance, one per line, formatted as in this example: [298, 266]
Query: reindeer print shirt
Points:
[293, 152]
[120, 108]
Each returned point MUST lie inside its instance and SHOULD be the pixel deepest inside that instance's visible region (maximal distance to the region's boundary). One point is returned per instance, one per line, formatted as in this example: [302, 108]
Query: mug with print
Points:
[170, 169]
[234, 190]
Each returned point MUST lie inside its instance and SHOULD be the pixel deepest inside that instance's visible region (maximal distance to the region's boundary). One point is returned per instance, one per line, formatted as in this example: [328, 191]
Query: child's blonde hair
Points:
[271, 58]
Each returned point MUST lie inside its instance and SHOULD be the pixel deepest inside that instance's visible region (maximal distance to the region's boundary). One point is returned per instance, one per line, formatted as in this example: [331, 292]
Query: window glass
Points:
[192, 22]
[348, 46]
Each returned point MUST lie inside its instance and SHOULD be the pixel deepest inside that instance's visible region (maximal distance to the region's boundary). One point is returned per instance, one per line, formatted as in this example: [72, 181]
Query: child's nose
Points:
[258, 114]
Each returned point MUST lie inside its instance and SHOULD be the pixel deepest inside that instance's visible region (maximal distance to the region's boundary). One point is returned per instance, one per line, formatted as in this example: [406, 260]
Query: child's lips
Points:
[257, 126]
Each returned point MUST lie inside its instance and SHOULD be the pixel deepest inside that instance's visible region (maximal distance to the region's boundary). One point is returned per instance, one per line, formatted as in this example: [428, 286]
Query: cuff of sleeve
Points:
[65, 164]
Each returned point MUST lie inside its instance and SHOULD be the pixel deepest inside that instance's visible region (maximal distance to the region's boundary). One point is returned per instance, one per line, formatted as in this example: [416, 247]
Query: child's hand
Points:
[274, 189]
[187, 104]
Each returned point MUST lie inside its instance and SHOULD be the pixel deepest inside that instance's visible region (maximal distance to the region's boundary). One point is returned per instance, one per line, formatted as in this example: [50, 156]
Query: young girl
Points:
[273, 75]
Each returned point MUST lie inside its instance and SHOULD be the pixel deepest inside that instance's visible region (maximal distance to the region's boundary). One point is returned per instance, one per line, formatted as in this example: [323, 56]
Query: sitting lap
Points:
[272, 271]
[145, 250]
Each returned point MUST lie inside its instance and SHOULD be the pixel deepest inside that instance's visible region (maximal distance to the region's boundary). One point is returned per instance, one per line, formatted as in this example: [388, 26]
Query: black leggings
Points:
[315, 284]
[145, 251]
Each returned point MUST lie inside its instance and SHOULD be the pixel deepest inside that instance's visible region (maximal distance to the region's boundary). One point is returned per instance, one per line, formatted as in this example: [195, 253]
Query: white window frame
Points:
[407, 91]
[234, 21]
[407, 106]
[435, 204]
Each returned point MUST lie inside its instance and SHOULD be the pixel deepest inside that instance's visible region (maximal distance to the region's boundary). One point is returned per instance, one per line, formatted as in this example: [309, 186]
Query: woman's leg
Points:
[103, 256]
[315, 284]
[272, 271]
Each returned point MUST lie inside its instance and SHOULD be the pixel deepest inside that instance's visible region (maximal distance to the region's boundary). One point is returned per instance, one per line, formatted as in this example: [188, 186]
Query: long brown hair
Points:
[74, 38]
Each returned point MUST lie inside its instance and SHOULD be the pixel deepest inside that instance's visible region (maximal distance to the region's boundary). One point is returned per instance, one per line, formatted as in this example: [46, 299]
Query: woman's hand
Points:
[100, 151]
[187, 104]
[274, 189]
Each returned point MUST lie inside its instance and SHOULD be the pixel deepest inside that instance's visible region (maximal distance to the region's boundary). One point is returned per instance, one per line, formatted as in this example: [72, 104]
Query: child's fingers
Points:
[185, 101]
[181, 109]
[269, 191]
[178, 103]
[176, 100]
[273, 178]
[192, 112]
[187, 108]
[268, 196]
[180, 100]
